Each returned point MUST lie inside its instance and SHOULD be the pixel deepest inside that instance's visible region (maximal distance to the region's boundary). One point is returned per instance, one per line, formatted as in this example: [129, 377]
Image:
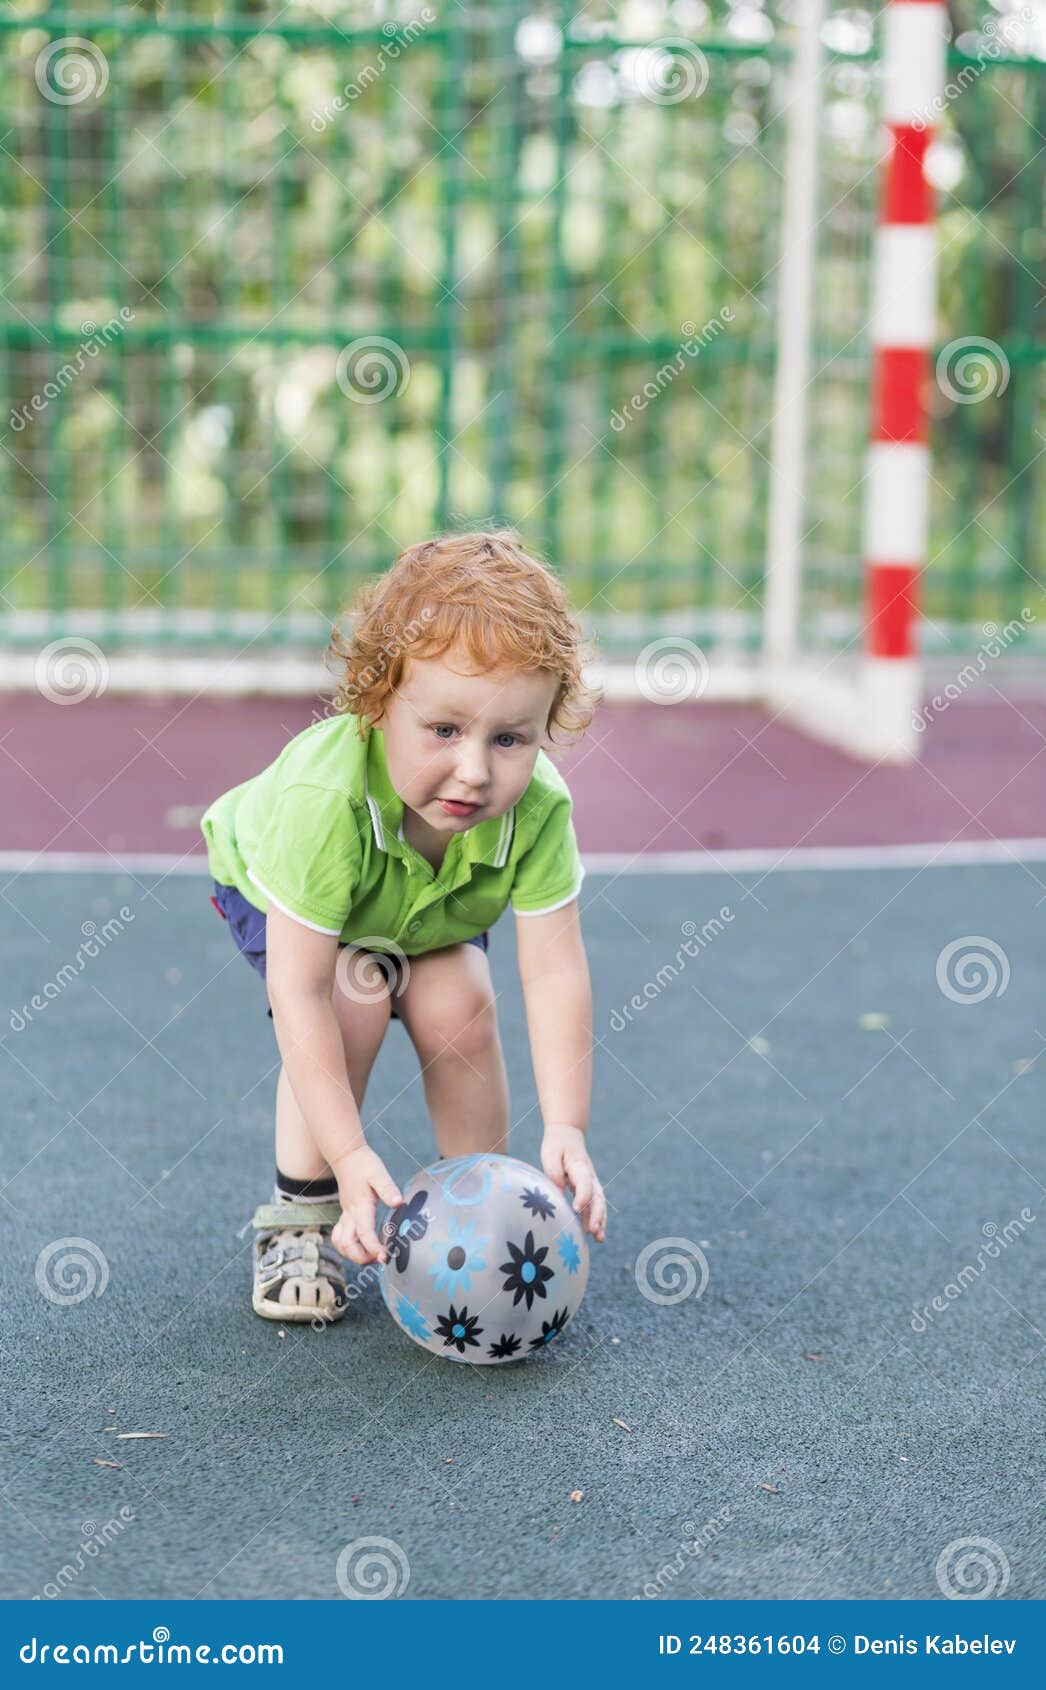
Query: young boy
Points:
[359, 874]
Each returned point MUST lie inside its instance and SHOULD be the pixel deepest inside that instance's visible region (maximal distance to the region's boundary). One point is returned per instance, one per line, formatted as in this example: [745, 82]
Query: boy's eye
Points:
[446, 731]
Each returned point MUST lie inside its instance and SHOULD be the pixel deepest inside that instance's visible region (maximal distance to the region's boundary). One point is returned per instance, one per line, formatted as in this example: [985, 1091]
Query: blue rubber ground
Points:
[790, 1435]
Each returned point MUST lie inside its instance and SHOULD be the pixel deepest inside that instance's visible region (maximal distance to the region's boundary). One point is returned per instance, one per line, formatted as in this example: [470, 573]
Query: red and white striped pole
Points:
[896, 510]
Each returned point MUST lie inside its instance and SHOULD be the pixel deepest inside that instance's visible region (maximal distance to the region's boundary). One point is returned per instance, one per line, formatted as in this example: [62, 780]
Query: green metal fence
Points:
[286, 288]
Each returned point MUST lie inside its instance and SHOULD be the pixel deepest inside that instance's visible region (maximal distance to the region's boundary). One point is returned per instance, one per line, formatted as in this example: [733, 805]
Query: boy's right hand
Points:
[363, 1181]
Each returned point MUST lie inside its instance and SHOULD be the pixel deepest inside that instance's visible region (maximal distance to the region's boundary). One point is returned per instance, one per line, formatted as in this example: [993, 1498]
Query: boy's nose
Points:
[471, 771]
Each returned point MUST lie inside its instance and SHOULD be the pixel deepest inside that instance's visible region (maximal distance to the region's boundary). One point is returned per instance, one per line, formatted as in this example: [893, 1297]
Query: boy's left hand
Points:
[566, 1161]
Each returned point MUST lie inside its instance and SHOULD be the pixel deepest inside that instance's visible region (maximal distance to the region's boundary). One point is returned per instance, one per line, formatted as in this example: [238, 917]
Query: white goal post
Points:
[867, 703]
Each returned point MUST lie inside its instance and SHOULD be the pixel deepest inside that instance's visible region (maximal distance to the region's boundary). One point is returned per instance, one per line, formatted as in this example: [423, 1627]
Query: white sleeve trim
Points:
[569, 899]
[333, 932]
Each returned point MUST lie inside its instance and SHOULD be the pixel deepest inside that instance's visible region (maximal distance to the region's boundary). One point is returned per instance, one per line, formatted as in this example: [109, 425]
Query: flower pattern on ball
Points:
[459, 1329]
[569, 1254]
[486, 1261]
[507, 1345]
[550, 1329]
[537, 1203]
[526, 1274]
[406, 1225]
[411, 1319]
[462, 1256]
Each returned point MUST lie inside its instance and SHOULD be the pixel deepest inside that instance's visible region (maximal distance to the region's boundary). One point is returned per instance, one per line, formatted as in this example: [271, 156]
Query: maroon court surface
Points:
[125, 774]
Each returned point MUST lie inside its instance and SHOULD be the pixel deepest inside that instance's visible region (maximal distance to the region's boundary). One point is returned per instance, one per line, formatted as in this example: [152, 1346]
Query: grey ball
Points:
[487, 1260]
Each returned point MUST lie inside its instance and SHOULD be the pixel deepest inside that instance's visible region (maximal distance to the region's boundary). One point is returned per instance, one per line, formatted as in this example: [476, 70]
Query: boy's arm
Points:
[557, 992]
[300, 971]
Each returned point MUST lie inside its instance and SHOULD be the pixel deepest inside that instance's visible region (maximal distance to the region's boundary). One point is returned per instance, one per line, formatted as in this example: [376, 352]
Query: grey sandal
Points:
[298, 1274]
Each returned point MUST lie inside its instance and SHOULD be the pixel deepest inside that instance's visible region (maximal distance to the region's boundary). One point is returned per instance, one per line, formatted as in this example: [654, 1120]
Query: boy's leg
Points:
[298, 1275]
[448, 1008]
[363, 1027]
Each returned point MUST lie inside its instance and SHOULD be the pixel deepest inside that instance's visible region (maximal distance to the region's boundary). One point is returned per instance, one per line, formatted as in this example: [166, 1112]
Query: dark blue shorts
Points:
[247, 926]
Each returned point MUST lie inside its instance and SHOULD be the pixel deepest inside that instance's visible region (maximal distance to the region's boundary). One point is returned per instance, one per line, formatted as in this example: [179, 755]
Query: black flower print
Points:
[550, 1329]
[526, 1274]
[507, 1345]
[538, 1204]
[405, 1226]
[457, 1330]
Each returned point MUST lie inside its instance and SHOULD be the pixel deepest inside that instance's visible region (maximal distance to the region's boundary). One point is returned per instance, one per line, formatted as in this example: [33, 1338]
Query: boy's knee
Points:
[460, 1023]
[362, 1021]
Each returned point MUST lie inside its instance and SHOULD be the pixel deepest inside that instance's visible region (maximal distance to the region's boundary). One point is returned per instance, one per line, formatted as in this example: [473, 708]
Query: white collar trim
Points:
[508, 828]
[375, 815]
[506, 832]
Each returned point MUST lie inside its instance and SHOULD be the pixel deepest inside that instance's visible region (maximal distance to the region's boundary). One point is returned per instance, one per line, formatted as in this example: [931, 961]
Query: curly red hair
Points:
[481, 592]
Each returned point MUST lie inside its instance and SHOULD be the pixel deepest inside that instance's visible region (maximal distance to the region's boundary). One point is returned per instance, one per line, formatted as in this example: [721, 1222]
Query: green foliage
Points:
[530, 209]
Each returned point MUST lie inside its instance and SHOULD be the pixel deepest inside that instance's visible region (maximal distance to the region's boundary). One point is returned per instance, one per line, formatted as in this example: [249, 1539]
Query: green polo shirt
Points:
[319, 833]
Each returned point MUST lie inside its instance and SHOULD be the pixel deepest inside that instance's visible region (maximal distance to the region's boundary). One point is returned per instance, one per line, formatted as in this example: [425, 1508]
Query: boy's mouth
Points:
[451, 807]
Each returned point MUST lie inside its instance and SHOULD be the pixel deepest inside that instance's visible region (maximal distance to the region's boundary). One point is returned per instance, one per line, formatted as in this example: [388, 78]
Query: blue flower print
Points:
[460, 1256]
[569, 1254]
[411, 1319]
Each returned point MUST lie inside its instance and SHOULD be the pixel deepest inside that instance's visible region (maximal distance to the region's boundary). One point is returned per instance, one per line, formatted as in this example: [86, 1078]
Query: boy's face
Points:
[461, 744]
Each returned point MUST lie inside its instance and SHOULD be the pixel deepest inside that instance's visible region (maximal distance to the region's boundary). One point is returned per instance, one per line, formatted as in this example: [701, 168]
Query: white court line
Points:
[759, 861]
